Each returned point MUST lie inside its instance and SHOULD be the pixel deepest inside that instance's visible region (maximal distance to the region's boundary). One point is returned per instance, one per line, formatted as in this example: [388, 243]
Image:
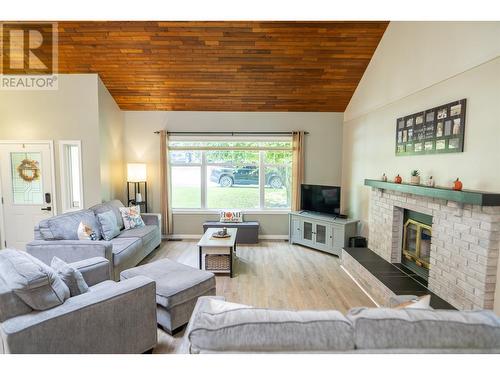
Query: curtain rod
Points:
[229, 133]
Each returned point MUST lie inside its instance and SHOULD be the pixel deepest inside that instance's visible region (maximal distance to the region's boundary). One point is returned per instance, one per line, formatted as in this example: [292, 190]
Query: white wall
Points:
[419, 66]
[323, 149]
[69, 113]
[111, 138]
[80, 109]
[412, 56]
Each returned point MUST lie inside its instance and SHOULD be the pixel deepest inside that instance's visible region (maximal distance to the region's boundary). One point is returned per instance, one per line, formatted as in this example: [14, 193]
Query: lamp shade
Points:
[136, 172]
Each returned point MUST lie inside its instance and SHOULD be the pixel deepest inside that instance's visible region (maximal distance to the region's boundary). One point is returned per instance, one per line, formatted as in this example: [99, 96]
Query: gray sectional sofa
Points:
[217, 326]
[57, 236]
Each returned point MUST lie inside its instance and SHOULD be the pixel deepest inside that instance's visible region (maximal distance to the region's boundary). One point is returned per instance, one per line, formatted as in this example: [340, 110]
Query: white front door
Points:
[26, 176]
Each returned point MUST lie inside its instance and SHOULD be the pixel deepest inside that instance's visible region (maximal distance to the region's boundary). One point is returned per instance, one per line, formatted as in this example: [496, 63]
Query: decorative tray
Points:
[221, 235]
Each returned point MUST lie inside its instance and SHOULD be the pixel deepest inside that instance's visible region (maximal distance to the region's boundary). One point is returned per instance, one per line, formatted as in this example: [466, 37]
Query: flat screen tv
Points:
[320, 198]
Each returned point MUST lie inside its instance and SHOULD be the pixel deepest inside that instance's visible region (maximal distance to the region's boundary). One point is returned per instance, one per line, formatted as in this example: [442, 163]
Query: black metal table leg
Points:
[231, 262]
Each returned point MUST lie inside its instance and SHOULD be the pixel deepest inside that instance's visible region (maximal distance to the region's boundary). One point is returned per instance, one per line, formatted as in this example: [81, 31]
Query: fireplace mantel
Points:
[478, 198]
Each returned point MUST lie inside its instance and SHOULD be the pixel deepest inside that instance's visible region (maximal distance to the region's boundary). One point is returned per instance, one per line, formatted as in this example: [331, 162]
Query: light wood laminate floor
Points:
[272, 274]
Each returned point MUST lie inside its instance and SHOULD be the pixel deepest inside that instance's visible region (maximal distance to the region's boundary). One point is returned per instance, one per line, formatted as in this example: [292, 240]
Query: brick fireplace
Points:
[464, 247]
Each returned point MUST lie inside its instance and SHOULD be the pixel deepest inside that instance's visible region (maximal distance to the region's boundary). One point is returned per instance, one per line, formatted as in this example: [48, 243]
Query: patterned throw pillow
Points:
[132, 217]
[231, 216]
[85, 232]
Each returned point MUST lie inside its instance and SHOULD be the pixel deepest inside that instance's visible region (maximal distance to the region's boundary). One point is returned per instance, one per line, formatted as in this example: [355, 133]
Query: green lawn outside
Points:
[231, 197]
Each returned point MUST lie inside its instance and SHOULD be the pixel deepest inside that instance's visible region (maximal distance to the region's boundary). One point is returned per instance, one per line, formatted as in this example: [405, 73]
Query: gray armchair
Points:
[110, 318]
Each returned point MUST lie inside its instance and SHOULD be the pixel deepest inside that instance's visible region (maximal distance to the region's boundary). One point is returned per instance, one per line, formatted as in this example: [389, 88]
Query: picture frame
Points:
[440, 129]
[454, 143]
[441, 144]
[442, 113]
[456, 126]
[456, 110]
[447, 128]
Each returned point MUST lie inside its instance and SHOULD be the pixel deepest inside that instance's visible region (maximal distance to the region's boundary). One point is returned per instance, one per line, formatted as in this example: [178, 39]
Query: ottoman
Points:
[177, 289]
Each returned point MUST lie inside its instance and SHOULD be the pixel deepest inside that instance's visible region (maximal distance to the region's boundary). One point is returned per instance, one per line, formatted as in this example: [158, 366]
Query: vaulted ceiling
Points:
[223, 66]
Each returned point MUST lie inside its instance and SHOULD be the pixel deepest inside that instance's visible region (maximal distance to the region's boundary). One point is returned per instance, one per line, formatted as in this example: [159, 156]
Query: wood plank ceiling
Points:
[223, 66]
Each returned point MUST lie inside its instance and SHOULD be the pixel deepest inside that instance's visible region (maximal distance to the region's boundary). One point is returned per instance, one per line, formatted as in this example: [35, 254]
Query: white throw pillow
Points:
[423, 302]
[231, 216]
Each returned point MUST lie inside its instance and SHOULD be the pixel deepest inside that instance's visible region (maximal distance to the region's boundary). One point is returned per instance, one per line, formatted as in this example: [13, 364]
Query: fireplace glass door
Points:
[417, 243]
[411, 233]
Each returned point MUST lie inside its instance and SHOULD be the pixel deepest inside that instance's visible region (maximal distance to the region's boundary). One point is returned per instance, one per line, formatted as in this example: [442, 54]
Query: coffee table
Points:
[218, 245]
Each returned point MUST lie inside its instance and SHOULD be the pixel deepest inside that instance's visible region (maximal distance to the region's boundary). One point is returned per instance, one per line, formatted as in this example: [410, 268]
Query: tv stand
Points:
[319, 231]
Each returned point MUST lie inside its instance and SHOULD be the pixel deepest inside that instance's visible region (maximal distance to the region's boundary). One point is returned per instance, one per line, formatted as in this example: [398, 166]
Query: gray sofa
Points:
[57, 236]
[109, 318]
[220, 327]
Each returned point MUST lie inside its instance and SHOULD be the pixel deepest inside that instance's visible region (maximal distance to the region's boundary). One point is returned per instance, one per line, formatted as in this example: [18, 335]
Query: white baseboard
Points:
[198, 236]
[183, 236]
[273, 237]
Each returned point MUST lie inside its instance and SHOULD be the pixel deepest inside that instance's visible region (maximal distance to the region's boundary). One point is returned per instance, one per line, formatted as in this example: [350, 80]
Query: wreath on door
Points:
[29, 170]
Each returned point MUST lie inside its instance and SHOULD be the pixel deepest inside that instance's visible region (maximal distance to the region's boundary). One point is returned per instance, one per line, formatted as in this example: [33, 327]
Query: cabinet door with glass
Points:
[323, 235]
[307, 232]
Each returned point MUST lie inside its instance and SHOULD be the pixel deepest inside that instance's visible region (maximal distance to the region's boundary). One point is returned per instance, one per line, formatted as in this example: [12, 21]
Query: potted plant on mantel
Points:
[415, 177]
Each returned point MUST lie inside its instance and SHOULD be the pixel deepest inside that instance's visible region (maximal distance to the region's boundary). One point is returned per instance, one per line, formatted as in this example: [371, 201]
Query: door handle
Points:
[46, 208]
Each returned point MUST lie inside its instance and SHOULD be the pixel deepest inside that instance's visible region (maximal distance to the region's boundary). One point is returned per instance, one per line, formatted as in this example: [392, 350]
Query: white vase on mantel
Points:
[430, 182]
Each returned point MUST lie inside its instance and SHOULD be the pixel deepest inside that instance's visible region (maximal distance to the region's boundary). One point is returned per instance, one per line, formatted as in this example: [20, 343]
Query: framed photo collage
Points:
[437, 130]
